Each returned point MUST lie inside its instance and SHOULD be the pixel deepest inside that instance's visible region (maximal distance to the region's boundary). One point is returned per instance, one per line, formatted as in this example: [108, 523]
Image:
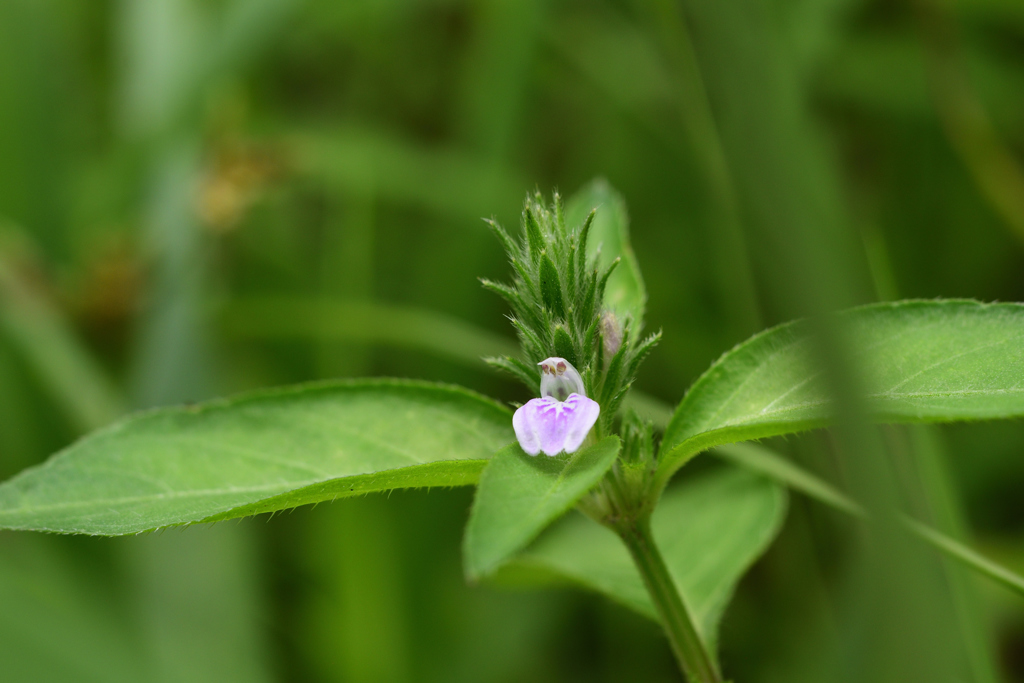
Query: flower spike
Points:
[560, 314]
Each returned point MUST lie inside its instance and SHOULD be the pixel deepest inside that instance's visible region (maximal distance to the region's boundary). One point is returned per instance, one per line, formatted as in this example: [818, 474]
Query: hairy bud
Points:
[611, 332]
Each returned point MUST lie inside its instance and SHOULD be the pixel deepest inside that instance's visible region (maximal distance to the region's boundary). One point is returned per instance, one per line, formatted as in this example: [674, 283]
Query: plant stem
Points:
[686, 642]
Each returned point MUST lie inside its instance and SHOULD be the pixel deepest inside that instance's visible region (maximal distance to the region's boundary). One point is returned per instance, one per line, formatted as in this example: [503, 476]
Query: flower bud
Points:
[611, 331]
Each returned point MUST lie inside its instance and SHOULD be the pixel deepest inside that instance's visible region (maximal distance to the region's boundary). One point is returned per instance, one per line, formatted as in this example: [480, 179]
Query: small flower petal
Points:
[523, 423]
[552, 426]
[585, 412]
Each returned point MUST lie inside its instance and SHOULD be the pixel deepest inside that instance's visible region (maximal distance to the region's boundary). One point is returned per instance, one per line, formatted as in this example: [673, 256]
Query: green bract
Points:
[558, 300]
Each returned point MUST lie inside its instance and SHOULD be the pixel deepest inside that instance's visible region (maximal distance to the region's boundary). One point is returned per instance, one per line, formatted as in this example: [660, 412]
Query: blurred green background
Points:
[200, 197]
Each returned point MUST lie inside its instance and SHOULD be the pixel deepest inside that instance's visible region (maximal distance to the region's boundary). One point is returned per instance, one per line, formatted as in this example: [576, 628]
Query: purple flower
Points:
[552, 425]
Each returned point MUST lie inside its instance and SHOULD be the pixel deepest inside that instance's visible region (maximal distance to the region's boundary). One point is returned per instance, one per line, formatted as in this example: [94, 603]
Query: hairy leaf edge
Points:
[475, 570]
[681, 452]
[528, 569]
[363, 482]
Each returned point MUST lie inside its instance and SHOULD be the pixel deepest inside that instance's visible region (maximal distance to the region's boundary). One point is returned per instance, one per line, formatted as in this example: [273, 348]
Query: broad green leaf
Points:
[259, 453]
[710, 530]
[519, 495]
[917, 361]
[609, 239]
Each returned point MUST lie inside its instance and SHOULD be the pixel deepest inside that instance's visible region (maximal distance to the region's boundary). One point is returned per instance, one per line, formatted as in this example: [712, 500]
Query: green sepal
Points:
[506, 240]
[603, 282]
[642, 351]
[581, 256]
[564, 347]
[551, 288]
[534, 234]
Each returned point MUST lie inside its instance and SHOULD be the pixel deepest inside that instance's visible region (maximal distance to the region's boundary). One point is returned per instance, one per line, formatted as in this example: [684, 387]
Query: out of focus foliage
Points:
[204, 196]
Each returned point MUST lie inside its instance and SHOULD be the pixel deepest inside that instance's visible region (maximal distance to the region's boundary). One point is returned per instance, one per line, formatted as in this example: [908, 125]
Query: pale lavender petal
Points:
[523, 423]
[552, 426]
[583, 413]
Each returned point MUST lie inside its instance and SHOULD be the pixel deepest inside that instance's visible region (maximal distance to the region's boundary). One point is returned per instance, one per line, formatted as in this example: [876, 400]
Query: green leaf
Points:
[519, 495]
[259, 453]
[710, 530]
[917, 361]
[609, 239]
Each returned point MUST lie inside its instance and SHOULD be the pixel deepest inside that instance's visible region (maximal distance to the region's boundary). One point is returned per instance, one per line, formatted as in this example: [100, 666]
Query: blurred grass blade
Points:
[172, 51]
[246, 28]
[710, 530]
[992, 163]
[938, 505]
[356, 618]
[609, 240]
[201, 593]
[363, 321]
[520, 495]
[46, 340]
[919, 361]
[58, 623]
[174, 357]
[259, 453]
[763, 460]
[362, 160]
[971, 558]
[665, 20]
[773, 465]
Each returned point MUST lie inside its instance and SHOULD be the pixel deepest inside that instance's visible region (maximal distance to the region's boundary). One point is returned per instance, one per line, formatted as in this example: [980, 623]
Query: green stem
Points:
[686, 642]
